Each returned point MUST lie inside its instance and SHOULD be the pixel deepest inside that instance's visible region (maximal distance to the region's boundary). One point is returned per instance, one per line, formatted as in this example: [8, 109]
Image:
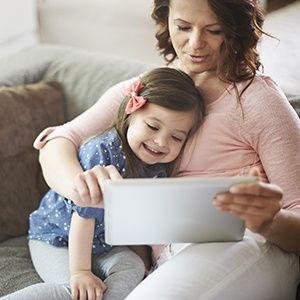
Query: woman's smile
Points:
[198, 58]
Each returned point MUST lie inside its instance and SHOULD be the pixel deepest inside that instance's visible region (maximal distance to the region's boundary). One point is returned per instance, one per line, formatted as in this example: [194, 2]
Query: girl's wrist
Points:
[80, 271]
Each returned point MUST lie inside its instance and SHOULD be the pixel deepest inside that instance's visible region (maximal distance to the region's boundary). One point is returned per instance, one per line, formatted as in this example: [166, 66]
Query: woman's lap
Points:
[250, 269]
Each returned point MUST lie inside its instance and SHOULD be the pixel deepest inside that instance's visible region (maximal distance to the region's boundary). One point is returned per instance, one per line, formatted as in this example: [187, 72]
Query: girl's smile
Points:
[152, 151]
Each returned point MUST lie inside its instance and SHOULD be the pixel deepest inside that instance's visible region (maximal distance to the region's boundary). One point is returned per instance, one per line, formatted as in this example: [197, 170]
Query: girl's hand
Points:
[89, 185]
[257, 203]
[85, 285]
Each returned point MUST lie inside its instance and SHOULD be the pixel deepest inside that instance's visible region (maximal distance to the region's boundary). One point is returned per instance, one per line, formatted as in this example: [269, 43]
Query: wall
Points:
[122, 27]
[18, 25]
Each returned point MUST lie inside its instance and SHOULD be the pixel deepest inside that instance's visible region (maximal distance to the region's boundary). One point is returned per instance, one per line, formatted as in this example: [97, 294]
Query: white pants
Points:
[252, 269]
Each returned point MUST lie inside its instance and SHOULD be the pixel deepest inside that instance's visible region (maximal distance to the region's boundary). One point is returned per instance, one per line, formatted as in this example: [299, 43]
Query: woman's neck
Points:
[210, 85]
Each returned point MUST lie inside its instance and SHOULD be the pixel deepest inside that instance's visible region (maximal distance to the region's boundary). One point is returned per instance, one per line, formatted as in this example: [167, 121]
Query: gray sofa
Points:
[39, 87]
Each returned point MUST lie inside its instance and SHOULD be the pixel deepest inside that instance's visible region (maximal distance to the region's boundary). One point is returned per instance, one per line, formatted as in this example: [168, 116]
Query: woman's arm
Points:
[60, 165]
[273, 130]
[84, 284]
[58, 146]
[285, 229]
[84, 188]
[259, 205]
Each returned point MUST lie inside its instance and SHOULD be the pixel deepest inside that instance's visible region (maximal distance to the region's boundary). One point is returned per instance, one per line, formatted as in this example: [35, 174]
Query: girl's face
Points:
[156, 134]
[196, 35]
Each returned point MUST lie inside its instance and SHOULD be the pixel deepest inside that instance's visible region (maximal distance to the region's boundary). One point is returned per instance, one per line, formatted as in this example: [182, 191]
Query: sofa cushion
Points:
[86, 75]
[16, 267]
[25, 111]
[295, 102]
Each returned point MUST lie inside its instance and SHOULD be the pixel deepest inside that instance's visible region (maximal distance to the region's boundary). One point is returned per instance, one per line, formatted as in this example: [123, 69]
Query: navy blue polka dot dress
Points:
[51, 221]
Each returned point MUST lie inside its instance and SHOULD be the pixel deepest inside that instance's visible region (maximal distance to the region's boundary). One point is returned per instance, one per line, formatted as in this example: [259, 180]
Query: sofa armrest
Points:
[29, 65]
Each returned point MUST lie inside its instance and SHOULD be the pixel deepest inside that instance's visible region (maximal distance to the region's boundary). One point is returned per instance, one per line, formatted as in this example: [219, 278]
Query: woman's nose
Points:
[196, 40]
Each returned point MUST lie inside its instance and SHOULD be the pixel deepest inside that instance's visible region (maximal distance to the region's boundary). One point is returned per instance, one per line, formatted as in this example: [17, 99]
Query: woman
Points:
[249, 129]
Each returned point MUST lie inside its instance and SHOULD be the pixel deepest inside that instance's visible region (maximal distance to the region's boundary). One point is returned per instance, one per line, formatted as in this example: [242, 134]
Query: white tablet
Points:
[169, 210]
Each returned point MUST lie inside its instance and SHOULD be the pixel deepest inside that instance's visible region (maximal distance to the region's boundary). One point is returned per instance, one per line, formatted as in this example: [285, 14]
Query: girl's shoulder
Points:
[104, 150]
[106, 139]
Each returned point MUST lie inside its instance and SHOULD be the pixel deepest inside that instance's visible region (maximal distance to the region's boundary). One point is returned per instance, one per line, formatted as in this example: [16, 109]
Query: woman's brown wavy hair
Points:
[241, 22]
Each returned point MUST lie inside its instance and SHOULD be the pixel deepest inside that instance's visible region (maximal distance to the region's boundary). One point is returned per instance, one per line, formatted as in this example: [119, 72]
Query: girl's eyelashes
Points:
[173, 137]
[176, 139]
[152, 127]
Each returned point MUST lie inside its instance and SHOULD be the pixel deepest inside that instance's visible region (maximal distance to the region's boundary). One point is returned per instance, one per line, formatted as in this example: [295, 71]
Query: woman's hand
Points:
[85, 285]
[257, 203]
[89, 185]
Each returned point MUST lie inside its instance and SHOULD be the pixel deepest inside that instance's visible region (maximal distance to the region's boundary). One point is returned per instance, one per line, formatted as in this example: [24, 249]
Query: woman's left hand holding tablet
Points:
[257, 203]
[89, 185]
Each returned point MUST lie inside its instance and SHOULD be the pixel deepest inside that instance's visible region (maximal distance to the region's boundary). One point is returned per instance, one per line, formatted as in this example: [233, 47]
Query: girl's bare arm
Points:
[84, 284]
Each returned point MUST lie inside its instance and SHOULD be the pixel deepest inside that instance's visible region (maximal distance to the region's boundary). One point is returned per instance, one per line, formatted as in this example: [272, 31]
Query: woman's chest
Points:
[219, 148]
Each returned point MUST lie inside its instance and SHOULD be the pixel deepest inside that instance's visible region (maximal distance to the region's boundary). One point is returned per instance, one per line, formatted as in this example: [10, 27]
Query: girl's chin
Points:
[151, 161]
[147, 159]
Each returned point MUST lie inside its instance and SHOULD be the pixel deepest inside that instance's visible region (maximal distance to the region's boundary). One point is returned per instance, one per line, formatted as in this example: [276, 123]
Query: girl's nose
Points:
[160, 141]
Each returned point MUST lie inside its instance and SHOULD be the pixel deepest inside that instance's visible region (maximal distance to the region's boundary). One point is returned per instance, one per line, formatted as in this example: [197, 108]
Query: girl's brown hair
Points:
[168, 88]
[241, 22]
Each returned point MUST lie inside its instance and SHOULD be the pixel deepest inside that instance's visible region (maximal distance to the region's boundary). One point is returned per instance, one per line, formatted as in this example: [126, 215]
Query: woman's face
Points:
[196, 35]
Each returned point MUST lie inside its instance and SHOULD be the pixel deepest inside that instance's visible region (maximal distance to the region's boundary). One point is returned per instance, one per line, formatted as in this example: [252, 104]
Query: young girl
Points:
[161, 111]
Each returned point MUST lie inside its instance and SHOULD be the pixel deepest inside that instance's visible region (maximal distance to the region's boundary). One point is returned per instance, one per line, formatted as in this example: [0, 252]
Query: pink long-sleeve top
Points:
[262, 130]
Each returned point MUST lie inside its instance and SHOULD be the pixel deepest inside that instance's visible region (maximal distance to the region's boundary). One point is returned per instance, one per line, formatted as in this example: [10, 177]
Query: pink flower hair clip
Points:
[135, 102]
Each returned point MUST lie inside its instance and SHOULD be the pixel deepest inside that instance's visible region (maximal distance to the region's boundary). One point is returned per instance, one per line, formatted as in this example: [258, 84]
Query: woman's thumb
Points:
[255, 172]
